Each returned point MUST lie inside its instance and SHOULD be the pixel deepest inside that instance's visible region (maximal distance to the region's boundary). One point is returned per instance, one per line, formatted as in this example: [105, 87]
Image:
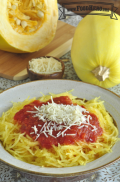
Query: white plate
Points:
[81, 90]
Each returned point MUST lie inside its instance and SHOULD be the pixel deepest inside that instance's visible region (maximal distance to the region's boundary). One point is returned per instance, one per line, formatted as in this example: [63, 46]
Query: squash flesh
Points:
[97, 43]
[27, 25]
[24, 15]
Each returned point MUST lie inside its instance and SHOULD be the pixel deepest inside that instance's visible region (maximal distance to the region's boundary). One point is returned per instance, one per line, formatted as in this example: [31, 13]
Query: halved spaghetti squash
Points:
[27, 25]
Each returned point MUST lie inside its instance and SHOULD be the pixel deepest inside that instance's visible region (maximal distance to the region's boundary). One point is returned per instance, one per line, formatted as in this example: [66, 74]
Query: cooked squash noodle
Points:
[23, 147]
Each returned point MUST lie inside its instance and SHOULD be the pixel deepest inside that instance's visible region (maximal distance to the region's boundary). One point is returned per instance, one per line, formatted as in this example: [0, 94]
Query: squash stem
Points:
[101, 73]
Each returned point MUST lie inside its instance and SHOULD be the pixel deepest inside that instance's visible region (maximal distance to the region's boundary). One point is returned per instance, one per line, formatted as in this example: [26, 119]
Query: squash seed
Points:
[24, 24]
[40, 14]
[18, 21]
[15, 18]
[14, 7]
[27, 17]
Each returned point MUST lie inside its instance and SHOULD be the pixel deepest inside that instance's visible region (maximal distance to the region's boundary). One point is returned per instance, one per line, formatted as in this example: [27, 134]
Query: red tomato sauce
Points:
[74, 134]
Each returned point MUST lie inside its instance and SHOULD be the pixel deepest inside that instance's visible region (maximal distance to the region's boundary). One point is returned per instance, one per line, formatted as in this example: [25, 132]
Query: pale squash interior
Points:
[26, 16]
[27, 25]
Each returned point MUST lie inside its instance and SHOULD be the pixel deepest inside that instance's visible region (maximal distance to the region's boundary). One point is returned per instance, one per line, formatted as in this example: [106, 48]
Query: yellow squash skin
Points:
[12, 41]
[96, 43]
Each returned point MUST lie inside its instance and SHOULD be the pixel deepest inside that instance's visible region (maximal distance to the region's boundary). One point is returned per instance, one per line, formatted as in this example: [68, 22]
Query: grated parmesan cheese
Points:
[64, 116]
[45, 65]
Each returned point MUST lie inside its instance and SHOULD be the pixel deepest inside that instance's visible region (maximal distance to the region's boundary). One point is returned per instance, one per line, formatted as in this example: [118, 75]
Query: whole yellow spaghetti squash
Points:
[95, 50]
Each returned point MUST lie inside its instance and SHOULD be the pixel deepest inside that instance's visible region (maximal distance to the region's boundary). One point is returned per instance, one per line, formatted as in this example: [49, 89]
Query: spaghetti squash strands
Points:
[26, 146]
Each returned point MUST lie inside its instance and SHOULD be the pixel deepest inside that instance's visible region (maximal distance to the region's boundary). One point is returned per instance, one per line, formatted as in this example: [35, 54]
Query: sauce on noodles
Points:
[32, 126]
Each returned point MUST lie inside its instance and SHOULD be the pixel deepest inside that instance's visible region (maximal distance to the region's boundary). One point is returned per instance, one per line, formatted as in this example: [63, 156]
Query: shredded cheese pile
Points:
[45, 65]
[26, 16]
[64, 115]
